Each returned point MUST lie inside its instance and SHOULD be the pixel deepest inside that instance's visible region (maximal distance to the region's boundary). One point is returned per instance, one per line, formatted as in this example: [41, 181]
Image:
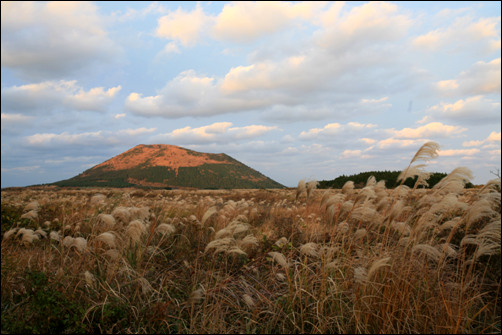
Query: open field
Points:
[253, 261]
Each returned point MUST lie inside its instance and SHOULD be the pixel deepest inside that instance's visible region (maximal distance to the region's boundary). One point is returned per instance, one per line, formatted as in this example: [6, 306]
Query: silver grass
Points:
[448, 249]
[279, 258]
[301, 188]
[401, 227]
[98, 198]
[343, 227]
[429, 251]
[135, 230]
[8, 234]
[311, 186]
[53, 235]
[220, 245]
[426, 152]
[41, 233]
[196, 296]
[378, 264]
[310, 249]
[28, 237]
[236, 250]
[360, 234]
[165, 229]
[107, 221]
[107, 238]
[209, 212]
[371, 182]
[80, 244]
[34, 205]
[89, 279]
[281, 242]
[31, 215]
[360, 275]
[248, 300]
[478, 210]
[248, 241]
[348, 187]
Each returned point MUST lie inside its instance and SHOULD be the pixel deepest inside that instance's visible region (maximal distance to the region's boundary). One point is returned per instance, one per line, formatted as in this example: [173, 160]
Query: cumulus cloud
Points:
[85, 139]
[463, 34]
[218, 132]
[475, 109]
[433, 129]
[47, 40]
[481, 78]
[334, 129]
[488, 142]
[184, 27]
[246, 21]
[48, 95]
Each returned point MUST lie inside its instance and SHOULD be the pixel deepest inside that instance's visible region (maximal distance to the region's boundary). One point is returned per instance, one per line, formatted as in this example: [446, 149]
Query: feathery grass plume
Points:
[33, 205]
[367, 193]
[492, 185]
[302, 187]
[139, 213]
[311, 186]
[335, 200]
[415, 171]
[135, 229]
[402, 191]
[41, 233]
[98, 198]
[107, 221]
[429, 251]
[8, 234]
[279, 259]
[248, 300]
[209, 212]
[249, 241]
[236, 250]
[360, 234]
[332, 265]
[366, 213]
[448, 249]
[90, 280]
[324, 198]
[196, 296]
[310, 249]
[348, 187]
[360, 275]
[478, 210]
[112, 254]
[68, 241]
[426, 152]
[343, 227]
[401, 227]
[145, 285]
[455, 181]
[281, 242]
[490, 232]
[371, 182]
[31, 215]
[54, 235]
[121, 214]
[28, 236]
[220, 245]
[449, 224]
[378, 264]
[165, 229]
[107, 238]
[80, 244]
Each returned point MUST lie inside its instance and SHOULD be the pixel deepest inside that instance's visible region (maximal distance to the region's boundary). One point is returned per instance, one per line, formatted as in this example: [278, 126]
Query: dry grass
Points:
[254, 261]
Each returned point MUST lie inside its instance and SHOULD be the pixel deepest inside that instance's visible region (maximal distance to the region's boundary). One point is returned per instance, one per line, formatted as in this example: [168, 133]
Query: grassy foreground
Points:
[372, 260]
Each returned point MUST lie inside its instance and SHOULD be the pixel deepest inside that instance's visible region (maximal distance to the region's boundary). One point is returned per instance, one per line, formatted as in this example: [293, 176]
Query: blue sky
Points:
[292, 89]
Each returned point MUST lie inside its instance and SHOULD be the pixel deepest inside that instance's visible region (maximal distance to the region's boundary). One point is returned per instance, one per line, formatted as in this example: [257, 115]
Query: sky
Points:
[295, 90]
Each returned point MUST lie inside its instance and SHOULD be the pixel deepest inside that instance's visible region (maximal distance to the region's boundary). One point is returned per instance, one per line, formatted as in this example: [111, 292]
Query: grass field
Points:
[369, 260]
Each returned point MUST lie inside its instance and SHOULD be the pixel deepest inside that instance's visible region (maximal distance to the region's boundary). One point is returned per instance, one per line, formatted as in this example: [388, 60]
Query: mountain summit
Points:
[162, 165]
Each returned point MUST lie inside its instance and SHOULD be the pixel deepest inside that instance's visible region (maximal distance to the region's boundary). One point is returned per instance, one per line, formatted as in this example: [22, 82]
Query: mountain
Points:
[170, 166]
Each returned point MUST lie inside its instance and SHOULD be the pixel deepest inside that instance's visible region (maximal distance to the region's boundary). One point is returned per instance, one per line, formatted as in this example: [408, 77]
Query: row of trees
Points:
[390, 178]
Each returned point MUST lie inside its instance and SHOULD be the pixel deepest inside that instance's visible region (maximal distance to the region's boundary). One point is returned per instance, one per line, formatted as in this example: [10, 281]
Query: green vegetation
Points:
[206, 176]
[390, 178]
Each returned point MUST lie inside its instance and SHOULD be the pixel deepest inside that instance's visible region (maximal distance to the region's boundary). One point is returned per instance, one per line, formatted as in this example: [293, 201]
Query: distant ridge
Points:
[170, 166]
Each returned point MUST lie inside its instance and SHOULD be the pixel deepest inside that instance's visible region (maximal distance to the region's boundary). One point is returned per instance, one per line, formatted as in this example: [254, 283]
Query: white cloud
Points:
[53, 39]
[56, 94]
[433, 129]
[481, 78]
[493, 138]
[464, 34]
[246, 21]
[184, 27]
[475, 109]
[219, 132]
[458, 152]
